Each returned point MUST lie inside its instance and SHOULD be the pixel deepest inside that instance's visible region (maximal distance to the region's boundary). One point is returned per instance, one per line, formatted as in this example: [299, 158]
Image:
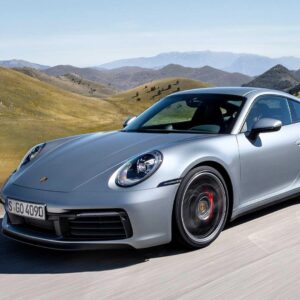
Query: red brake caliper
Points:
[210, 197]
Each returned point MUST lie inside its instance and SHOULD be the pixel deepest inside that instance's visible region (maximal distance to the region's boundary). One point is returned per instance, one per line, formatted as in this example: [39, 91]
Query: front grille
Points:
[104, 226]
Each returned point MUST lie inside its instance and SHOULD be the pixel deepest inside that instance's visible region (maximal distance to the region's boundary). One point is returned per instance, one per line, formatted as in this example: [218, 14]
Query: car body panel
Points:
[274, 168]
[67, 169]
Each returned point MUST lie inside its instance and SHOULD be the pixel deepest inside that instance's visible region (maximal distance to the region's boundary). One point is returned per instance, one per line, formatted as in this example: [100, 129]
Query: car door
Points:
[269, 164]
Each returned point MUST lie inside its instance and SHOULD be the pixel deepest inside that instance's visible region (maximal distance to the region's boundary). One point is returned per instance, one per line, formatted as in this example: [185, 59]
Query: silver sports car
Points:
[180, 170]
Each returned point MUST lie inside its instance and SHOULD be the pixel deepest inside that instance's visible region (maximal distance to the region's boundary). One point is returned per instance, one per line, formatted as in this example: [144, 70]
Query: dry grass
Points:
[138, 99]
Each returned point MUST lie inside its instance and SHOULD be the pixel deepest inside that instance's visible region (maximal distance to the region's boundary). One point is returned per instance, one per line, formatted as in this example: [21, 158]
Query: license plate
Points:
[24, 209]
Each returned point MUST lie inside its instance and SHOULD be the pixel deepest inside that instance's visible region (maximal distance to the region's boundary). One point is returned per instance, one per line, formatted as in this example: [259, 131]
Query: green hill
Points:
[32, 111]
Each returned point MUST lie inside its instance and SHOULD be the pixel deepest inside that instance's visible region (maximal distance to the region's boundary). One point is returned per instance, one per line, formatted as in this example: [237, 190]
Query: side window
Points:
[295, 110]
[268, 107]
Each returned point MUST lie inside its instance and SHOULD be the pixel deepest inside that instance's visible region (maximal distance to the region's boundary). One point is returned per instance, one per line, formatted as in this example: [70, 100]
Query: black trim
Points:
[170, 182]
[264, 206]
[61, 246]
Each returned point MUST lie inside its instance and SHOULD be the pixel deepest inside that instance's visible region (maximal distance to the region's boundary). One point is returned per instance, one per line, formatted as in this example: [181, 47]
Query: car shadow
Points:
[16, 258]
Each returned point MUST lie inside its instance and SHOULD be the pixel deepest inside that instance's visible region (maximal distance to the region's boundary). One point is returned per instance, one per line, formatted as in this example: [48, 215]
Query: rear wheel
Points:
[201, 207]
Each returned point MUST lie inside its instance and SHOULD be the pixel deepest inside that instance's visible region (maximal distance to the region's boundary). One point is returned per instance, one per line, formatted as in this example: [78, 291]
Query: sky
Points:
[92, 32]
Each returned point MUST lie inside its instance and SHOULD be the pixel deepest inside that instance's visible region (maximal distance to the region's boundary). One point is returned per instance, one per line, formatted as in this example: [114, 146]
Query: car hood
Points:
[79, 160]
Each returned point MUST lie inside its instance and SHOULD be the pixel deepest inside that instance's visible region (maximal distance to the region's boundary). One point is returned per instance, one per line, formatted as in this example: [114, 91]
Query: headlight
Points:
[31, 155]
[139, 169]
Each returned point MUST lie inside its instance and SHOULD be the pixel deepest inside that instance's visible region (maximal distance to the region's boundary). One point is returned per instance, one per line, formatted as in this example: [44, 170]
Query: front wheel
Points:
[201, 207]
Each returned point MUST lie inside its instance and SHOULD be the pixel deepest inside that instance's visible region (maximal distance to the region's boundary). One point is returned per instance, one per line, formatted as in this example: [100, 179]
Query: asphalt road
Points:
[257, 257]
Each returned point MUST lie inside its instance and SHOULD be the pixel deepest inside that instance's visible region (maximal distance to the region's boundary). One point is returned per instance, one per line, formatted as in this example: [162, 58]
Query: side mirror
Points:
[265, 125]
[128, 121]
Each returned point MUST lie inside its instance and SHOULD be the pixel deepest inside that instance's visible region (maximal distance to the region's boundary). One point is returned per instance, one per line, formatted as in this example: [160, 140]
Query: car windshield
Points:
[192, 113]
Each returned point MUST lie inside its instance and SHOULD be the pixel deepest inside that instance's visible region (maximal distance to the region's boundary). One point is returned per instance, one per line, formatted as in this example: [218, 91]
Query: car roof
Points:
[237, 91]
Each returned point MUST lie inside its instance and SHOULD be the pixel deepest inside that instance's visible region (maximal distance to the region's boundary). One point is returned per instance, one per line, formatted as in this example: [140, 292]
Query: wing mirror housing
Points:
[128, 120]
[265, 125]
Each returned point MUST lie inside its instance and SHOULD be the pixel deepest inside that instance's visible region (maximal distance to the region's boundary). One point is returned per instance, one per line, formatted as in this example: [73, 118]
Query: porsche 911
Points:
[181, 170]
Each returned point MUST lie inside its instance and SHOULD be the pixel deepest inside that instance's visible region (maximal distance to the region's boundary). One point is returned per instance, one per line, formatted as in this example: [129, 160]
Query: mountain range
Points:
[128, 77]
[101, 83]
[249, 64]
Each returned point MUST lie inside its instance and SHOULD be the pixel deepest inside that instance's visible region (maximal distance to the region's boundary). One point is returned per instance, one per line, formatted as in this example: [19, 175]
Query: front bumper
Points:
[149, 214]
[51, 241]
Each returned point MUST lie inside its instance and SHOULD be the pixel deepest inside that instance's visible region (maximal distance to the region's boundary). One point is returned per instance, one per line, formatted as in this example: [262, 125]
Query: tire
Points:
[201, 208]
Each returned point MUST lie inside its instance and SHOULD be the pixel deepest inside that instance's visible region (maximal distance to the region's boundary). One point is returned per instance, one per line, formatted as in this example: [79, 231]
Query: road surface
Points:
[257, 257]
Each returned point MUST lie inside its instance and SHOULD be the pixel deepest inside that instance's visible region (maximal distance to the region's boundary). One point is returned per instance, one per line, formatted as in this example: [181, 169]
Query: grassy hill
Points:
[72, 83]
[137, 99]
[32, 111]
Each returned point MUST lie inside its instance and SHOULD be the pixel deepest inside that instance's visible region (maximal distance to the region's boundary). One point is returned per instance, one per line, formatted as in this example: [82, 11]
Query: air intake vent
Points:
[99, 226]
